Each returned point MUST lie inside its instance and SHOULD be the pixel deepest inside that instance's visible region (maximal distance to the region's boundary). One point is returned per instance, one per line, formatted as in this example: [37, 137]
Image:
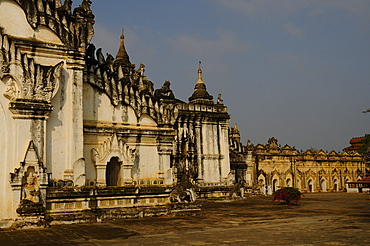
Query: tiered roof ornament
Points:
[122, 57]
[200, 94]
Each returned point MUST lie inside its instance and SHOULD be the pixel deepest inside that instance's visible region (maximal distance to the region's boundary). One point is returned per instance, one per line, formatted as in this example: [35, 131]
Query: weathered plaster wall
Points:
[215, 153]
[5, 149]
[103, 120]
[65, 123]
[14, 22]
[97, 107]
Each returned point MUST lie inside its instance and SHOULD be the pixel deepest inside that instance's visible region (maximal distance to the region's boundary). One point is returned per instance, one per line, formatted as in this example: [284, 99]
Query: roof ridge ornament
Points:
[200, 77]
[200, 94]
[122, 56]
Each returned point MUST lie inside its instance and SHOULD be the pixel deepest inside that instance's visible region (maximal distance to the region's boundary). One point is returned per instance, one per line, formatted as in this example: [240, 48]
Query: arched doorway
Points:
[262, 185]
[275, 185]
[112, 172]
[289, 183]
[336, 185]
[310, 185]
[323, 185]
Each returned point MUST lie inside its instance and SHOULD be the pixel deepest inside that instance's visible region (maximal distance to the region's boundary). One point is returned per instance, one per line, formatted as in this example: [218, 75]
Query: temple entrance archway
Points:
[336, 185]
[112, 172]
[310, 185]
[289, 183]
[323, 185]
[275, 185]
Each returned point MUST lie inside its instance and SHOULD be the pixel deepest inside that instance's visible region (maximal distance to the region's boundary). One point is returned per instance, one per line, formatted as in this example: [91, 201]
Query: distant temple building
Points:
[86, 137]
[272, 167]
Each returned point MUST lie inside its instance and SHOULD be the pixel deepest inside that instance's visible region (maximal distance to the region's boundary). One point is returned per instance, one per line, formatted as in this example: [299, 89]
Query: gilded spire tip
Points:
[123, 33]
[199, 69]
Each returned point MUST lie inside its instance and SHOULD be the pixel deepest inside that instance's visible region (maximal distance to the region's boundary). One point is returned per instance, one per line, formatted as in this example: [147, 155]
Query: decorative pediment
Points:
[286, 147]
[333, 155]
[336, 172]
[322, 173]
[260, 146]
[289, 172]
[113, 147]
[24, 78]
[321, 152]
[286, 150]
[308, 153]
[357, 156]
[261, 173]
[30, 165]
[345, 155]
[259, 149]
[31, 180]
[275, 173]
[332, 152]
[310, 174]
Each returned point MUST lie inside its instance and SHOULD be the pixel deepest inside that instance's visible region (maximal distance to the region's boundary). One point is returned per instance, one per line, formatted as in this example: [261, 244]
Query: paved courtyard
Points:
[319, 219]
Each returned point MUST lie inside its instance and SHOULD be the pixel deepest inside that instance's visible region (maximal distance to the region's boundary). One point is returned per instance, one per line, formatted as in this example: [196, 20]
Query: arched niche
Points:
[311, 185]
[275, 185]
[336, 185]
[289, 182]
[323, 185]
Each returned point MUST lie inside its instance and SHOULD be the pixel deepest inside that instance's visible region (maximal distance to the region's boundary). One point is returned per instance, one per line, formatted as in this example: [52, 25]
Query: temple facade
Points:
[87, 137]
[270, 167]
[72, 117]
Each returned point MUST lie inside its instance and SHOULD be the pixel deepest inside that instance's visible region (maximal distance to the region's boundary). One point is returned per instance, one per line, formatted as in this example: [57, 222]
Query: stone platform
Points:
[319, 219]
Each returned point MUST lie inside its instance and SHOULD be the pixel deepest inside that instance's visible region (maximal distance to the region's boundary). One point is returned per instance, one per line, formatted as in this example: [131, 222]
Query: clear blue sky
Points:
[298, 70]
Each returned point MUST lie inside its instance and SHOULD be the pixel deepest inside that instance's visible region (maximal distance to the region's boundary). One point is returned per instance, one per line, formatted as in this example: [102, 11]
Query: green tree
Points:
[365, 145]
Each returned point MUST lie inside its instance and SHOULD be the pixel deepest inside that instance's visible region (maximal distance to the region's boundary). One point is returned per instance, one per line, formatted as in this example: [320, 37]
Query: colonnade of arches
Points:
[310, 185]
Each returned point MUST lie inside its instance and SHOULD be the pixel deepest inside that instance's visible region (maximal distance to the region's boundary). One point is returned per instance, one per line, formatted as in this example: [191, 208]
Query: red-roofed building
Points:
[355, 143]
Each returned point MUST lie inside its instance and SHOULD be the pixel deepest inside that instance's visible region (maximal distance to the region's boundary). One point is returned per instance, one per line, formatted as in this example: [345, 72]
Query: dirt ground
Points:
[319, 219]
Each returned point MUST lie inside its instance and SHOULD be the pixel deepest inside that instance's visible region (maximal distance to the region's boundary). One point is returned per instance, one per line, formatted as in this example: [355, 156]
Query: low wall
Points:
[98, 204]
[222, 191]
[71, 205]
[91, 204]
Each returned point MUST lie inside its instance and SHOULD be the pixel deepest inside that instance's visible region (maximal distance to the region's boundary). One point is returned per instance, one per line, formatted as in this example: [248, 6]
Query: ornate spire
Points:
[200, 94]
[200, 78]
[122, 56]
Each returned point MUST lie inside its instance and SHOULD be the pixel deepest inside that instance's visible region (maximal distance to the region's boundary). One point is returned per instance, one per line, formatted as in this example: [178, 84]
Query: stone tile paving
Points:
[319, 219]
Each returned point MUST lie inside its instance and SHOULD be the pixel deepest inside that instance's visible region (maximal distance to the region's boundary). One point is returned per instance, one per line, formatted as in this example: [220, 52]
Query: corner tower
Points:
[202, 135]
